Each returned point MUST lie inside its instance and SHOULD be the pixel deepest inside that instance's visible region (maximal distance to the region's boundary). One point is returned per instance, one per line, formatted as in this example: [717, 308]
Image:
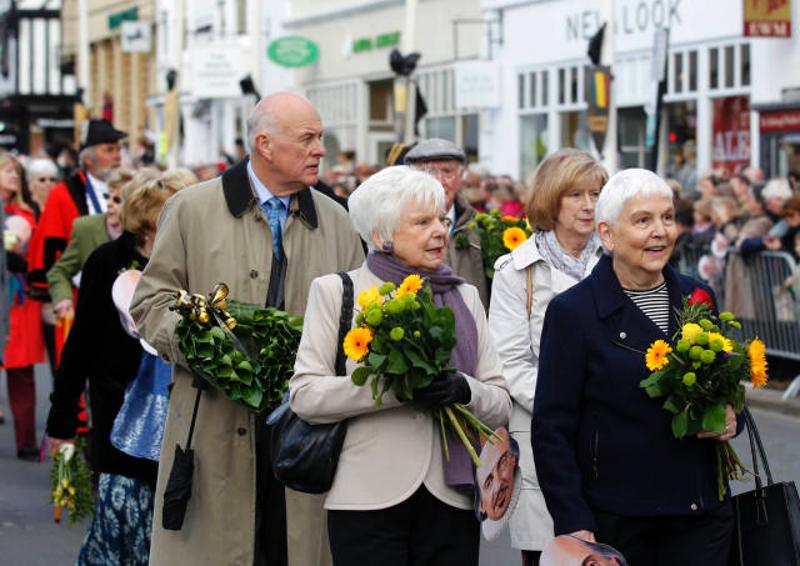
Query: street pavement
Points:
[29, 537]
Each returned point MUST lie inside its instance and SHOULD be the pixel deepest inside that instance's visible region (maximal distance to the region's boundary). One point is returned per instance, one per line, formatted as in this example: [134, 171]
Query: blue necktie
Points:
[274, 208]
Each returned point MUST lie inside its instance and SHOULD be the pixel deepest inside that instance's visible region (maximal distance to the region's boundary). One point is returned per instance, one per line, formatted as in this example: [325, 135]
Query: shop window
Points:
[677, 66]
[380, 102]
[469, 136]
[532, 143]
[692, 71]
[713, 66]
[241, 16]
[681, 126]
[575, 131]
[573, 83]
[632, 124]
[533, 90]
[729, 67]
[745, 62]
[444, 127]
[545, 87]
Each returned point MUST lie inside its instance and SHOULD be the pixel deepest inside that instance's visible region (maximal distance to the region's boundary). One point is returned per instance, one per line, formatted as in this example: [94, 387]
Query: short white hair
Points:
[41, 166]
[777, 188]
[260, 120]
[624, 186]
[376, 205]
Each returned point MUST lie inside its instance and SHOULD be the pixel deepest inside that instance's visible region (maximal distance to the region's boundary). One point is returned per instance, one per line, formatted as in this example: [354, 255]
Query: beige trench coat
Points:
[390, 452]
[517, 338]
[216, 232]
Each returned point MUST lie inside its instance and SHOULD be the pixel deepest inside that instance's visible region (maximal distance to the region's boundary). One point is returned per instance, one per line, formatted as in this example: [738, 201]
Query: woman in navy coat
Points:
[607, 461]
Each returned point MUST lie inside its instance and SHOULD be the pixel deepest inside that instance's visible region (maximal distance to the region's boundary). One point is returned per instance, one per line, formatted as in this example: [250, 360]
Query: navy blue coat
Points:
[599, 442]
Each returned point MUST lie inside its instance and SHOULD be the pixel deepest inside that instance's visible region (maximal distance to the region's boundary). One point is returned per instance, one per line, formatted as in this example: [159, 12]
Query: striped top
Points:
[654, 303]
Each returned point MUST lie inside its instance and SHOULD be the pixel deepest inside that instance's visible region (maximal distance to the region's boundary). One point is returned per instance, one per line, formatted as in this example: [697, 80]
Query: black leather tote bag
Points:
[767, 519]
[304, 456]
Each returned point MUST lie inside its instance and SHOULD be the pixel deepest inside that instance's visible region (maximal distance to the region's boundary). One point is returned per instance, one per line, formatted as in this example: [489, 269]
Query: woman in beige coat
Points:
[392, 501]
[562, 252]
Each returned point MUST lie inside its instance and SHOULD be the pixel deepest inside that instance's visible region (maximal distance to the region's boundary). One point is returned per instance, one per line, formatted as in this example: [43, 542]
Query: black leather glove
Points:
[443, 392]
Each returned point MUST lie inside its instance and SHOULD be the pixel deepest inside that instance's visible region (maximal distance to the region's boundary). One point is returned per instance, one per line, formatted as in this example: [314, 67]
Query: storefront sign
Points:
[767, 18]
[477, 84]
[730, 141]
[782, 121]
[632, 18]
[293, 51]
[598, 99]
[135, 37]
[216, 70]
[129, 15]
[378, 42]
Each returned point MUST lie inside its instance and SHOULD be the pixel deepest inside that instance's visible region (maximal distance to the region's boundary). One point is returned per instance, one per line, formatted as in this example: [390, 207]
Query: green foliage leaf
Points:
[680, 425]
[360, 375]
[397, 362]
[714, 419]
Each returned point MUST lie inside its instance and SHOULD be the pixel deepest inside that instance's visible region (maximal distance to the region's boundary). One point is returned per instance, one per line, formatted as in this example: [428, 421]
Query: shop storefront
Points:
[779, 130]
[710, 68]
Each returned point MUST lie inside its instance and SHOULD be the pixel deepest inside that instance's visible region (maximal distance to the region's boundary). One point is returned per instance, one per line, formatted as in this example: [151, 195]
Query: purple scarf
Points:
[458, 471]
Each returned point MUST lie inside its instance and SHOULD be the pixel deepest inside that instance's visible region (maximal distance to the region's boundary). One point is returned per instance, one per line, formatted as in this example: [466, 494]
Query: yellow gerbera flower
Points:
[356, 343]
[369, 297]
[656, 356]
[727, 345]
[690, 331]
[758, 362]
[514, 237]
[410, 285]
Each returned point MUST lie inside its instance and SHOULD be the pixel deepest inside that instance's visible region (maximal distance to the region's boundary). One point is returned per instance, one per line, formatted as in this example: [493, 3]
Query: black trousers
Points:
[702, 540]
[270, 543]
[420, 531]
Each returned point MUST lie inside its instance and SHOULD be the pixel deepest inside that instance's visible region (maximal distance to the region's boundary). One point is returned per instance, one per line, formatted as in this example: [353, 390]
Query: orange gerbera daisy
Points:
[410, 285]
[356, 343]
[757, 352]
[657, 354]
[509, 218]
[514, 237]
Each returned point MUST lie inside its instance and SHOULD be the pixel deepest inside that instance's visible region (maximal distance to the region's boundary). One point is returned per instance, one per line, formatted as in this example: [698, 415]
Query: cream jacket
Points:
[517, 338]
[388, 452]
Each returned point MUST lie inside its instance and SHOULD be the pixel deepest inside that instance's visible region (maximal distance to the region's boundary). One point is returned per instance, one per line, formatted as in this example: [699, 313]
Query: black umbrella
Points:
[179, 485]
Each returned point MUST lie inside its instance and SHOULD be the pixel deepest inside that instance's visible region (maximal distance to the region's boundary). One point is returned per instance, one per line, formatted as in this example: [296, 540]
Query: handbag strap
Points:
[345, 321]
[200, 384]
[757, 445]
[529, 289]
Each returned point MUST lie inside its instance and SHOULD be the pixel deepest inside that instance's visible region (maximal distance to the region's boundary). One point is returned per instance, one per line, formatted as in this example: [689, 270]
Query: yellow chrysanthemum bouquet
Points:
[403, 342]
[701, 372]
[71, 488]
[498, 235]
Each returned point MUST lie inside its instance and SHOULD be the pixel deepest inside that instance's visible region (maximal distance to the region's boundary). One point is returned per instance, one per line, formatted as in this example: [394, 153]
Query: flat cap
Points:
[435, 149]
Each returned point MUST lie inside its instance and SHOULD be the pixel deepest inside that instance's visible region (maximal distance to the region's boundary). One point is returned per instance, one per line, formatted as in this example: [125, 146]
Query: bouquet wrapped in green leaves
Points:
[71, 487]
[244, 350]
[701, 371]
[498, 235]
[404, 342]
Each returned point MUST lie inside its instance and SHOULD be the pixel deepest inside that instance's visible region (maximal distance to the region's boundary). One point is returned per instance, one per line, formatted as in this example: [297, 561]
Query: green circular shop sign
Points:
[293, 51]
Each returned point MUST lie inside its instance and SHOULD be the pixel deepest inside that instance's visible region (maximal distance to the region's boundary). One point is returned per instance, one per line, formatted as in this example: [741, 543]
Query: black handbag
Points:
[767, 519]
[304, 456]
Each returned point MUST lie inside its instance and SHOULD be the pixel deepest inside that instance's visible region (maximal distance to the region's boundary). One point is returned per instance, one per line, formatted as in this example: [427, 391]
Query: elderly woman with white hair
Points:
[392, 502]
[607, 461]
[42, 176]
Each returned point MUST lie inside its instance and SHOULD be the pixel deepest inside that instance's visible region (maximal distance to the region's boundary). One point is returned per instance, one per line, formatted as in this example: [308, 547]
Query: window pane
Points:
[561, 86]
[692, 71]
[745, 64]
[533, 142]
[678, 67]
[729, 76]
[533, 89]
[520, 91]
[713, 65]
[573, 76]
[545, 88]
[444, 128]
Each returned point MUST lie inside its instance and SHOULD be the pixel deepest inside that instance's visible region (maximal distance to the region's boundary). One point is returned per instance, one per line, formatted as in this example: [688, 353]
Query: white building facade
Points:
[352, 84]
[715, 76]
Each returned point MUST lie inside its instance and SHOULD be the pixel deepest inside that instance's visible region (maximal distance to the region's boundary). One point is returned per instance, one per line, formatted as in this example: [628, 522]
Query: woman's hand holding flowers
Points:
[730, 427]
[444, 391]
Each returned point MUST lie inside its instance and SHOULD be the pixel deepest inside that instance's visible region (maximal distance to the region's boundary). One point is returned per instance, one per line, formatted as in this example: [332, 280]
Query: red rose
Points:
[701, 296]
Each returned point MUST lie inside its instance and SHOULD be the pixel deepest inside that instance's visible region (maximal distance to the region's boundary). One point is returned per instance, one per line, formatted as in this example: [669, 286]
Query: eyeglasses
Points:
[447, 173]
[47, 179]
[116, 199]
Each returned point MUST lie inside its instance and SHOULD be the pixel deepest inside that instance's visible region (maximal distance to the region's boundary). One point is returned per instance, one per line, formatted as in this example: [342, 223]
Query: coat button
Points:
[253, 274]
[623, 335]
[241, 431]
[693, 506]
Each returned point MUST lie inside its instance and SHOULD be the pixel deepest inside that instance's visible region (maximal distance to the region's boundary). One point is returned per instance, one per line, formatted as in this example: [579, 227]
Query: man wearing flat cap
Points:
[445, 160]
[81, 194]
